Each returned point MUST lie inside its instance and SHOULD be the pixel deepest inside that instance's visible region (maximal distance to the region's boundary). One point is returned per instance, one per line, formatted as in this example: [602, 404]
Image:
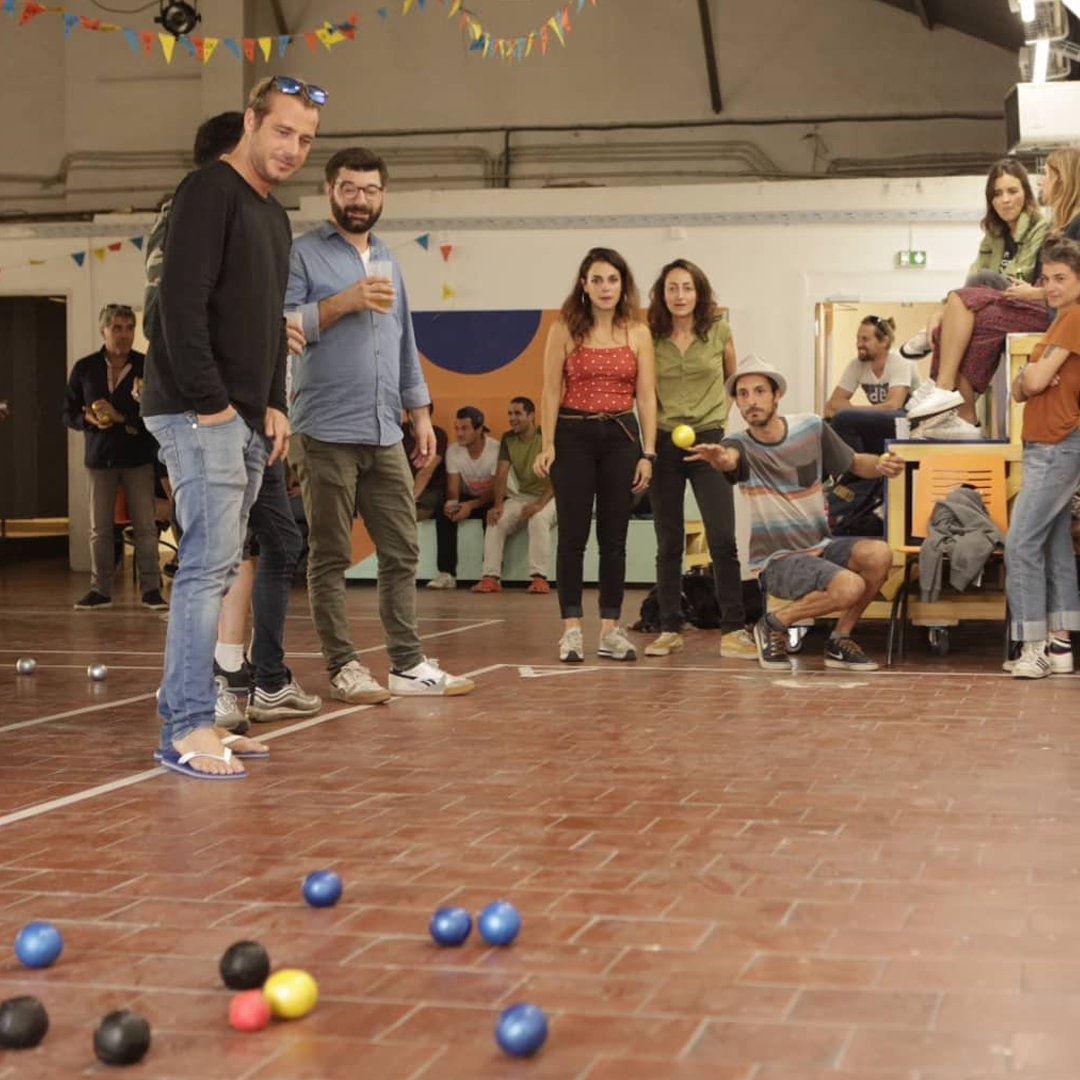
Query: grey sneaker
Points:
[616, 646]
[284, 704]
[227, 714]
[442, 580]
[1033, 663]
[353, 683]
[571, 647]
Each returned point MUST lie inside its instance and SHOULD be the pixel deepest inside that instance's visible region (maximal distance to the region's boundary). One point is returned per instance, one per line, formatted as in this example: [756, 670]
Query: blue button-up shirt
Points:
[355, 376]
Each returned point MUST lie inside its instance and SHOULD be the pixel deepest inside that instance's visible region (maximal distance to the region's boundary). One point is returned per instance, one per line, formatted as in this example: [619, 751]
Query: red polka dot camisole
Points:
[600, 380]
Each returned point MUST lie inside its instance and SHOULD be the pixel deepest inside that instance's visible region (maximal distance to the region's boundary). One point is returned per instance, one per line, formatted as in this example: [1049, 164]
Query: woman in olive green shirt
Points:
[694, 355]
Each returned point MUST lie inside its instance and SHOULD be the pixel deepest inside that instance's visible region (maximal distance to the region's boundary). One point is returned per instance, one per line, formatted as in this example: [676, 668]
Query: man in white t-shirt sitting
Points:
[471, 464]
[887, 380]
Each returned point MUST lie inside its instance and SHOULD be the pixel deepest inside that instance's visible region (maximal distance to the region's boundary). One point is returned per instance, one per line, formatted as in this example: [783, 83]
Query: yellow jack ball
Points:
[292, 993]
[684, 437]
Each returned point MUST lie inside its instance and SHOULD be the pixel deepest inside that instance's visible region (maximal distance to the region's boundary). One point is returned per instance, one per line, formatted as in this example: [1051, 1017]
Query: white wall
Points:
[625, 61]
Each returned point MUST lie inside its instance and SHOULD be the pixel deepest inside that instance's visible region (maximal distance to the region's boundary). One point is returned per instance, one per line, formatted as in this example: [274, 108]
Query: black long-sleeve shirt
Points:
[220, 338]
[118, 446]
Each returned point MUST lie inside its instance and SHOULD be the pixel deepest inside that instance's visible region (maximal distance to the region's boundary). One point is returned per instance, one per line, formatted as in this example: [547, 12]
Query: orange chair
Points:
[936, 477]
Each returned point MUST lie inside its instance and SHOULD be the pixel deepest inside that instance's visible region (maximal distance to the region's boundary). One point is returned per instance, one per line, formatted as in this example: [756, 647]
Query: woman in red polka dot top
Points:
[598, 362]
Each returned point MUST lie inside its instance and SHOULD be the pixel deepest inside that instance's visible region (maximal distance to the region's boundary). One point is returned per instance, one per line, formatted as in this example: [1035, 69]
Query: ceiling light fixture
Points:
[1041, 62]
[178, 17]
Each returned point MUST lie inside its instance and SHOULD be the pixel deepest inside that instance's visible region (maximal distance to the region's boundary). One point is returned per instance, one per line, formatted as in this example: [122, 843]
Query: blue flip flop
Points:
[243, 755]
[173, 759]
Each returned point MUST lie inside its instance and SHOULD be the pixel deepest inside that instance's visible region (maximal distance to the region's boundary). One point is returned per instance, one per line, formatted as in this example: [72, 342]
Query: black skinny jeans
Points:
[716, 501]
[595, 462]
[446, 536]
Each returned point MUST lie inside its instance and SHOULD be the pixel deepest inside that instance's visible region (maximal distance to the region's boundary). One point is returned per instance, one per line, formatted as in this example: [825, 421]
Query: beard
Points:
[354, 219]
[761, 420]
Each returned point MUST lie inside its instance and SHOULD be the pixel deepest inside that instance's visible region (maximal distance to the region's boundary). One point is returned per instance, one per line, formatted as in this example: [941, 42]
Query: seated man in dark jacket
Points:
[119, 451]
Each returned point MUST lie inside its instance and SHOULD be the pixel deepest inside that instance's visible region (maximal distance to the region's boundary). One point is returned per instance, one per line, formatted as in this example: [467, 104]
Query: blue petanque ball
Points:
[521, 1029]
[450, 925]
[499, 922]
[38, 944]
[322, 888]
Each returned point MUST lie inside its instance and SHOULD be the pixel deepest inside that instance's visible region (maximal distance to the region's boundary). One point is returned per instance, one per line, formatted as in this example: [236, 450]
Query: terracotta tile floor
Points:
[723, 875]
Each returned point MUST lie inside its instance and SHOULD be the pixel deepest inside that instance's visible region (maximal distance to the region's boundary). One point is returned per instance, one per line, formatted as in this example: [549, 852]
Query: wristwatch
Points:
[648, 456]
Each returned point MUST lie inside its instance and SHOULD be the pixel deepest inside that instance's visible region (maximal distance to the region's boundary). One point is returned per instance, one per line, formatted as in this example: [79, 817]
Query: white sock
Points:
[229, 657]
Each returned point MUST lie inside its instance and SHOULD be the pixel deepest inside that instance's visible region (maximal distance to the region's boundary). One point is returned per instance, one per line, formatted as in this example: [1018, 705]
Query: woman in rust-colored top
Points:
[1040, 566]
[597, 363]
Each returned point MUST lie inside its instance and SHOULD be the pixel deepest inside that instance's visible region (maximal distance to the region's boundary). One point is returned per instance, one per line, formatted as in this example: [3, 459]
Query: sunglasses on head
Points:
[288, 85]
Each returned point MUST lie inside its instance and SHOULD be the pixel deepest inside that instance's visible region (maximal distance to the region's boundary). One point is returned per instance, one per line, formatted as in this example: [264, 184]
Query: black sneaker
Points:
[239, 681]
[844, 653]
[170, 568]
[771, 646]
[94, 601]
[154, 600]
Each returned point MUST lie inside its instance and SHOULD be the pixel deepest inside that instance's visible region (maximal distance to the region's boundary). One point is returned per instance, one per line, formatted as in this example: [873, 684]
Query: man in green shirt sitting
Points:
[529, 502]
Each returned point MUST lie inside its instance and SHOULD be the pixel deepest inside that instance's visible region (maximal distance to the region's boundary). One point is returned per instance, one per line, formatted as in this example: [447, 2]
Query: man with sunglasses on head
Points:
[349, 386]
[214, 396]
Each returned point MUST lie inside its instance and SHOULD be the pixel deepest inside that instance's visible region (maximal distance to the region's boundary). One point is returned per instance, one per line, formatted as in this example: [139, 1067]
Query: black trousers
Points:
[446, 537]
[716, 501]
[595, 462]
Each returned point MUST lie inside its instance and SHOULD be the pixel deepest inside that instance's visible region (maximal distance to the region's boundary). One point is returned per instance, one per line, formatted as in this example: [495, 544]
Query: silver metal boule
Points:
[26, 665]
[97, 672]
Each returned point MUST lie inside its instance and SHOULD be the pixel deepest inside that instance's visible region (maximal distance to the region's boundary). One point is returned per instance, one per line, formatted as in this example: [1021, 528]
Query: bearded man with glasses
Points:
[214, 396]
[360, 369]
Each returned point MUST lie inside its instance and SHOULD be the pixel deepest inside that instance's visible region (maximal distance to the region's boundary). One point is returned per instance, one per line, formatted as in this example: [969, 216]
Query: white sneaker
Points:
[1058, 654]
[429, 679]
[571, 646]
[442, 580]
[353, 683]
[948, 427]
[1032, 663]
[227, 713]
[933, 401]
[616, 646]
[916, 347]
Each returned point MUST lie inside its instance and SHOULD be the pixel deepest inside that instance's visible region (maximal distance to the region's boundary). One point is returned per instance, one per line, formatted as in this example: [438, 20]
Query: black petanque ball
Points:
[245, 965]
[23, 1023]
[122, 1038]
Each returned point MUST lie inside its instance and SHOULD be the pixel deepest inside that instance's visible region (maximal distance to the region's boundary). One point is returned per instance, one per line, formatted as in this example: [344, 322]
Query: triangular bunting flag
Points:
[168, 43]
[209, 45]
[232, 45]
[283, 42]
[348, 28]
[249, 49]
[543, 40]
[520, 48]
[137, 241]
[89, 24]
[566, 17]
[132, 40]
[421, 3]
[265, 44]
[8, 6]
[187, 43]
[554, 24]
[446, 249]
[310, 38]
[30, 9]
[333, 34]
[447, 292]
[464, 21]
[70, 22]
[324, 36]
[529, 44]
[580, 5]
[199, 44]
[115, 246]
[424, 241]
[477, 44]
[147, 38]
[79, 257]
[455, 6]
[381, 12]
[99, 254]
[406, 4]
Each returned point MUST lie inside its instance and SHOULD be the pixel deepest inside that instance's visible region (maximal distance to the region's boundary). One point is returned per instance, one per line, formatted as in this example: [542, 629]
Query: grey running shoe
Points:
[284, 704]
[616, 646]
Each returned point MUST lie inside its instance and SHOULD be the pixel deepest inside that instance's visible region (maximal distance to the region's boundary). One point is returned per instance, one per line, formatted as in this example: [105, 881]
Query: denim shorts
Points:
[790, 577]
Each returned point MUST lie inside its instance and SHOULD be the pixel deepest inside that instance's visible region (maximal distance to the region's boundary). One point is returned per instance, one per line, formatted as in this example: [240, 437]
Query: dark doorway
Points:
[33, 439]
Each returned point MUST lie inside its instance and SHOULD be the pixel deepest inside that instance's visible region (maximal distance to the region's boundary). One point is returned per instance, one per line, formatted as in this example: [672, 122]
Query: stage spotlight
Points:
[178, 17]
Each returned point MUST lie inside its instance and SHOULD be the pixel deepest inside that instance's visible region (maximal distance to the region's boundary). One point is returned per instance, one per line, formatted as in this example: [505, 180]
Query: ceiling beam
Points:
[925, 10]
[710, 55]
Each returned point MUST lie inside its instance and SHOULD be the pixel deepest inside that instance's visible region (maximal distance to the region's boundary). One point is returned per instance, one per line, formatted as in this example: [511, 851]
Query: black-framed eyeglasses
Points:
[350, 191]
[288, 85]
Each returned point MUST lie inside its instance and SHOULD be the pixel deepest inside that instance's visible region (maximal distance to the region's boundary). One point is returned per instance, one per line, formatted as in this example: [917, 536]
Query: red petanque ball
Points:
[249, 1011]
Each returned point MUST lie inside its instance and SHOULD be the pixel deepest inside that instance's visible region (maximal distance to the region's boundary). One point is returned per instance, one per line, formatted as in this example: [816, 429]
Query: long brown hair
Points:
[992, 224]
[577, 310]
[1064, 203]
[705, 309]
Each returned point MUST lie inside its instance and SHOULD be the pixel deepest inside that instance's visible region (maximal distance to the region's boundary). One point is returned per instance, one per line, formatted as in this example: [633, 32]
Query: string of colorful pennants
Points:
[101, 252]
[331, 33]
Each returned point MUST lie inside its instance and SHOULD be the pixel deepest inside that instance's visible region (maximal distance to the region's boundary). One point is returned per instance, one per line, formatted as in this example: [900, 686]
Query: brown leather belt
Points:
[615, 417]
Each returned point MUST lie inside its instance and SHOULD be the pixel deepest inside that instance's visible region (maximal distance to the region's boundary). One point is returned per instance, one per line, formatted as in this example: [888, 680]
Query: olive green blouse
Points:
[690, 385]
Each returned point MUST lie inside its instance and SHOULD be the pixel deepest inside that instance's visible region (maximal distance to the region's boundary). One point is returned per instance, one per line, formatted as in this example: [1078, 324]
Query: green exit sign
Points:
[911, 258]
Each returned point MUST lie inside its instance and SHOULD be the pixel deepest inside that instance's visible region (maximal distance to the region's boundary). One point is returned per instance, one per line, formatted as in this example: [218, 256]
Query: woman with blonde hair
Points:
[598, 362]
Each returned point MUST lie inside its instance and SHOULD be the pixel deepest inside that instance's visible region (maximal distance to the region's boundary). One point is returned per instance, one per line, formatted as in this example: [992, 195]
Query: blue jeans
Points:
[279, 544]
[215, 471]
[1040, 565]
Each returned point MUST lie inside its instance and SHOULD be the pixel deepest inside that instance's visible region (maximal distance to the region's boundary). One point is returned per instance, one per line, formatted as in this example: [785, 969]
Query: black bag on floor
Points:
[854, 506]
[698, 606]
